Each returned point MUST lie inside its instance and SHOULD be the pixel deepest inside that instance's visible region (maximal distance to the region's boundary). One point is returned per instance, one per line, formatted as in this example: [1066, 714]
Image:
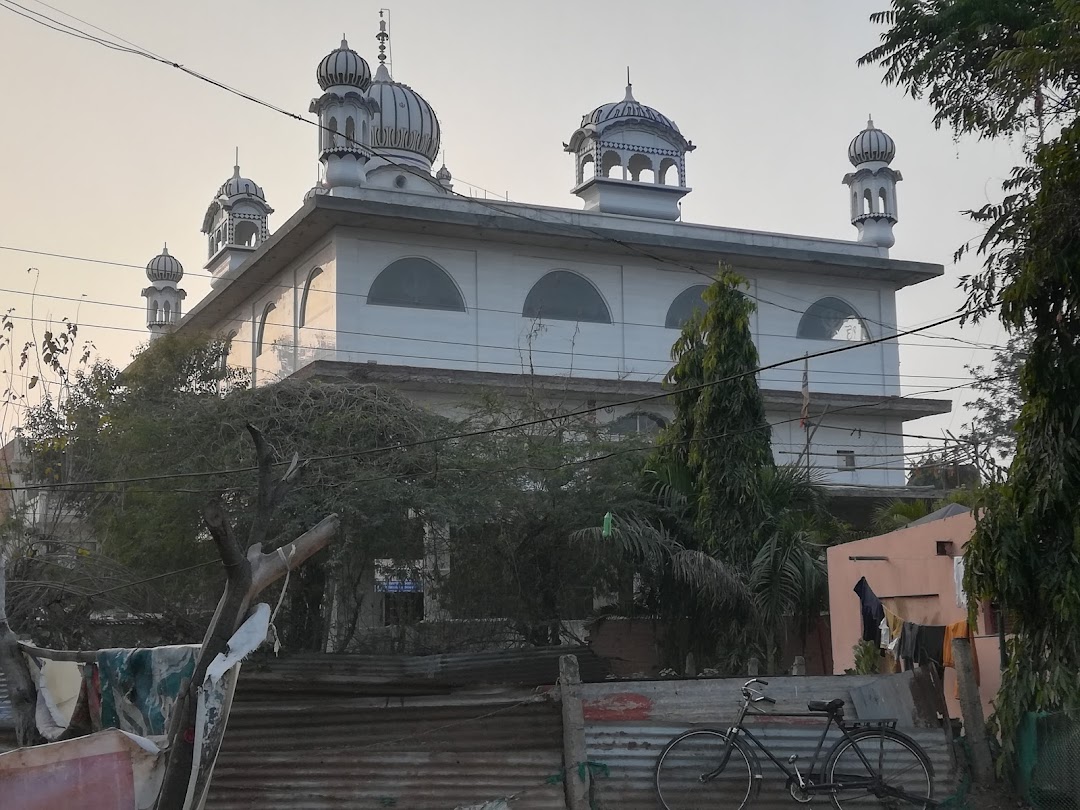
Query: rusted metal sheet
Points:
[311, 751]
[629, 723]
[349, 674]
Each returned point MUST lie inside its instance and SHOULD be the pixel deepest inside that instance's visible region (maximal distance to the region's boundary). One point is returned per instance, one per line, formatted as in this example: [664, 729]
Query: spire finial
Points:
[165, 249]
[383, 36]
[870, 122]
[236, 162]
[629, 87]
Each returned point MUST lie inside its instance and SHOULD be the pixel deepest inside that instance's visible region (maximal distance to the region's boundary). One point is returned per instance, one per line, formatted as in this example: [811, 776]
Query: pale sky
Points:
[107, 155]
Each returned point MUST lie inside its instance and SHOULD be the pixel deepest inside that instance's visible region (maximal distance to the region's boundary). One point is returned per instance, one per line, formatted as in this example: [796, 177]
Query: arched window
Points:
[156, 317]
[417, 283]
[332, 135]
[868, 202]
[587, 170]
[684, 305]
[669, 172]
[609, 163]
[638, 423]
[246, 233]
[883, 200]
[166, 313]
[640, 163]
[314, 274]
[565, 296]
[350, 131]
[832, 319]
[259, 340]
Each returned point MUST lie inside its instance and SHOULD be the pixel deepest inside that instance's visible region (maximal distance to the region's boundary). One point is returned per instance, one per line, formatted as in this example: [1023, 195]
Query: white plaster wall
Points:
[491, 335]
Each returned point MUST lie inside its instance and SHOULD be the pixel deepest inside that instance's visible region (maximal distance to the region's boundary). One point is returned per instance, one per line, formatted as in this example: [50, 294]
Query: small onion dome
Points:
[871, 145]
[237, 186]
[405, 121]
[629, 107]
[164, 267]
[444, 174]
[343, 66]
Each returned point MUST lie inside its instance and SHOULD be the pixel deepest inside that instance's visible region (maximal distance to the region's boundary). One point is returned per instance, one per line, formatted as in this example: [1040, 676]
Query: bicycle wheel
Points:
[692, 772]
[906, 775]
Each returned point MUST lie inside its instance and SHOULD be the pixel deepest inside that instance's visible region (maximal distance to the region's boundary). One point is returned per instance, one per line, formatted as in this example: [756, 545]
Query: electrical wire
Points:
[467, 344]
[346, 294]
[424, 176]
[454, 437]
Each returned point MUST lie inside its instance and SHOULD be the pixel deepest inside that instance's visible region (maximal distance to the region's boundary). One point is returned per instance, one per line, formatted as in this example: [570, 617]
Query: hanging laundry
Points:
[929, 642]
[873, 612]
[896, 626]
[884, 637]
[958, 581]
[959, 630]
[909, 634]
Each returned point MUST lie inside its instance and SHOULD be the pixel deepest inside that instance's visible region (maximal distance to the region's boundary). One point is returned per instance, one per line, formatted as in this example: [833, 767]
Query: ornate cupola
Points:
[163, 296]
[630, 159]
[236, 223]
[405, 134]
[345, 119]
[873, 186]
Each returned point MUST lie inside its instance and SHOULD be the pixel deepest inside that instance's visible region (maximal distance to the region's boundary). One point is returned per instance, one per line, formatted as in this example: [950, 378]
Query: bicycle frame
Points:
[871, 782]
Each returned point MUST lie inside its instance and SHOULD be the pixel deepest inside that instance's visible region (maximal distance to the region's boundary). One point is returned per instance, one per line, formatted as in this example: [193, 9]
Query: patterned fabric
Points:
[139, 687]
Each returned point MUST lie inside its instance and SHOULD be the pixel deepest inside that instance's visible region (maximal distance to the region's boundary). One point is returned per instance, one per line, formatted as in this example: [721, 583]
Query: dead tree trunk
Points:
[246, 575]
[16, 671]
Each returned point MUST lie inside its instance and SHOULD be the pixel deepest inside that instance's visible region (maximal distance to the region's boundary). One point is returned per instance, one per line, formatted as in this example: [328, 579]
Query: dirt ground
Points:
[998, 798]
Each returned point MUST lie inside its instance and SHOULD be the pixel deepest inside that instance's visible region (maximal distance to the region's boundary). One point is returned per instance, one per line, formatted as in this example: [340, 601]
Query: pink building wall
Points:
[914, 582]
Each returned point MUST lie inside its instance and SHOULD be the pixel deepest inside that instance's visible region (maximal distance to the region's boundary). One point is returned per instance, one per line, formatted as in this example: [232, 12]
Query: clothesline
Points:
[910, 643]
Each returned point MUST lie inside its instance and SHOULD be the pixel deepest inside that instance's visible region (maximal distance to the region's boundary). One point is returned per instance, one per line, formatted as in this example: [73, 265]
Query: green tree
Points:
[992, 430]
[994, 68]
[731, 548]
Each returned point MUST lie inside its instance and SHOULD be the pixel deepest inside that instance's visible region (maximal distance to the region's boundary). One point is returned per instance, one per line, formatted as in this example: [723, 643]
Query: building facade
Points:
[385, 274]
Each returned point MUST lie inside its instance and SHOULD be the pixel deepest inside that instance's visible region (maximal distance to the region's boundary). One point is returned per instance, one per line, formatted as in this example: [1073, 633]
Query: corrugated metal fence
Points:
[315, 732]
[628, 723]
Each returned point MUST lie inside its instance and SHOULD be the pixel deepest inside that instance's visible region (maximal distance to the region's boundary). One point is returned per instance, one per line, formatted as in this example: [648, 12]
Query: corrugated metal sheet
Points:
[309, 752]
[629, 723]
[409, 675]
[7, 719]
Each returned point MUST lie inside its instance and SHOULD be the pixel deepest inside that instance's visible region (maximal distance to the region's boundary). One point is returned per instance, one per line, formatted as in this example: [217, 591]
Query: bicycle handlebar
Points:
[753, 681]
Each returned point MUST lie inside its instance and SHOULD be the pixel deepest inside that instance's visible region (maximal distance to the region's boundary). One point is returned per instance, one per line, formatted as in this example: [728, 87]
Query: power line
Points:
[521, 363]
[490, 471]
[424, 176]
[342, 293]
[518, 425]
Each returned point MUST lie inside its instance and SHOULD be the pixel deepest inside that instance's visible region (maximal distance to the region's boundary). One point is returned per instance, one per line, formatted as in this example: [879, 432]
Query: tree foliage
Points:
[992, 68]
[730, 550]
[997, 407]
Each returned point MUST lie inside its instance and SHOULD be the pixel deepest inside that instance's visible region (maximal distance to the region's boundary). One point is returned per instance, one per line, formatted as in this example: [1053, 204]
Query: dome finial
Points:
[236, 163]
[383, 36]
[870, 122]
[629, 87]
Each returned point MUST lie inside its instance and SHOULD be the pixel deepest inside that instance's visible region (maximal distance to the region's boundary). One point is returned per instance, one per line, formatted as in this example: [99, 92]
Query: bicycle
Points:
[704, 768]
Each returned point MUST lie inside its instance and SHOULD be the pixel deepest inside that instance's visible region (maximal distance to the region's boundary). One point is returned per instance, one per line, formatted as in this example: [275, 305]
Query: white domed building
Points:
[630, 159]
[387, 274]
[163, 297]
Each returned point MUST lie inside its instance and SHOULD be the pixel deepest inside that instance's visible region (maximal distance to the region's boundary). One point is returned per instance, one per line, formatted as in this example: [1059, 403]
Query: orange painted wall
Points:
[916, 584]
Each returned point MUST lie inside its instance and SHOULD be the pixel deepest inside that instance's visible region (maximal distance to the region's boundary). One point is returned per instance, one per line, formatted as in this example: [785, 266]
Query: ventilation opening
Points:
[845, 459]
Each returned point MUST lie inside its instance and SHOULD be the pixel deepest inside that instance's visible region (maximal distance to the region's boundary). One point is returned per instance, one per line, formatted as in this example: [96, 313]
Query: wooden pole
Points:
[982, 763]
[575, 755]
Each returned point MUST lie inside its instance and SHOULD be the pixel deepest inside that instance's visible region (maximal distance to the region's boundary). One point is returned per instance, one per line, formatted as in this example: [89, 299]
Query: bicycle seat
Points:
[832, 707]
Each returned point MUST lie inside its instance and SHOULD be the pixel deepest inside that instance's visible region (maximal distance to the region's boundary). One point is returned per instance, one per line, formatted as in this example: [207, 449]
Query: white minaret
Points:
[873, 186]
[630, 159]
[345, 119]
[236, 223]
[163, 297]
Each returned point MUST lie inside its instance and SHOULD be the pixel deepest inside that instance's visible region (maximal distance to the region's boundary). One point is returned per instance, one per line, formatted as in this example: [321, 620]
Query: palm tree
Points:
[705, 601]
